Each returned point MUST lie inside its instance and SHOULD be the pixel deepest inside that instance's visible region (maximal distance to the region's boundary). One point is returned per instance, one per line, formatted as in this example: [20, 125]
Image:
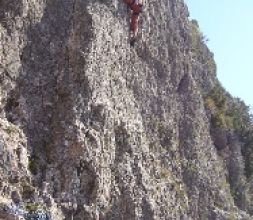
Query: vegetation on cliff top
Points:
[232, 114]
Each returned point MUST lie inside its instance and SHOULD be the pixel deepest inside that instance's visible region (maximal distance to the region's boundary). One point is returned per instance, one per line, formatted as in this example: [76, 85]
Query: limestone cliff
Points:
[93, 129]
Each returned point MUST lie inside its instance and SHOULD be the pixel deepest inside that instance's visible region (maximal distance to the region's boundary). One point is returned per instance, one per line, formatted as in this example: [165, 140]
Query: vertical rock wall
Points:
[108, 131]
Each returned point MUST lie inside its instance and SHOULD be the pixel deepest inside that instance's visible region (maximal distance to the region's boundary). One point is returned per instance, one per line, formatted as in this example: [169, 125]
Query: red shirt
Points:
[136, 7]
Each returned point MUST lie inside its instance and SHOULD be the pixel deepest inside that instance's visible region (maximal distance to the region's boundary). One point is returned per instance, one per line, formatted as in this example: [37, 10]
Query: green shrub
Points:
[217, 94]
[232, 113]
[216, 101]
[239, 114]
[247, 152]
[226, 113]
[32, 207]
[218, 120]
[210, 104]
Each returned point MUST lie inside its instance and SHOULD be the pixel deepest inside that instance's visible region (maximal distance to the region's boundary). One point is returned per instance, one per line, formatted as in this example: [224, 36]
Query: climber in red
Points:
[136, 7]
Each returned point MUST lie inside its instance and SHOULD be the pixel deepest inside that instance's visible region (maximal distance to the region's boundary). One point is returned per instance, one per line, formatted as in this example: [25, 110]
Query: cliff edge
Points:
[91, 128]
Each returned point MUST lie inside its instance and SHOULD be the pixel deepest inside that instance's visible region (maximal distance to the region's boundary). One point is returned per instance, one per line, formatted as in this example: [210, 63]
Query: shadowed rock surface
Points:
[93, 129]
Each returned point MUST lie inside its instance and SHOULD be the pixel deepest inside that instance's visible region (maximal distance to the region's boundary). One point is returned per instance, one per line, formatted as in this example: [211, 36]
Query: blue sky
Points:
[229, 27]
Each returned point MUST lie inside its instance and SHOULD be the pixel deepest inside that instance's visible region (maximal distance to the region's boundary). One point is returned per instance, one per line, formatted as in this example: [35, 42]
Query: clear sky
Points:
[229, 27]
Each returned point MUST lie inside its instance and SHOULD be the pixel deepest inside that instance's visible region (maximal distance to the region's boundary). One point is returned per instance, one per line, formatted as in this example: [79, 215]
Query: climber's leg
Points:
[134, 28]
[134, 24]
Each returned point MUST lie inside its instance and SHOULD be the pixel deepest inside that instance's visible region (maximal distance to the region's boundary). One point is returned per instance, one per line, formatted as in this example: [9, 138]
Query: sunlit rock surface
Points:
[94, 129]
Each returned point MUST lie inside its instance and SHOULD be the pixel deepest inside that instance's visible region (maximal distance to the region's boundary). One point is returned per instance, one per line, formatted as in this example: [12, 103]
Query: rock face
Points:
[94, 129]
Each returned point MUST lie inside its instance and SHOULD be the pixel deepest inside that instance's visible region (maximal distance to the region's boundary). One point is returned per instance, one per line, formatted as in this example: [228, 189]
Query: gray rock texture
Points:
[94, 129]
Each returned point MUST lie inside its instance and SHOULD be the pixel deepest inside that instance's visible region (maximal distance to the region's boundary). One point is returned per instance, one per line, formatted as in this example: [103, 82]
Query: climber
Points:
[136, 7]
